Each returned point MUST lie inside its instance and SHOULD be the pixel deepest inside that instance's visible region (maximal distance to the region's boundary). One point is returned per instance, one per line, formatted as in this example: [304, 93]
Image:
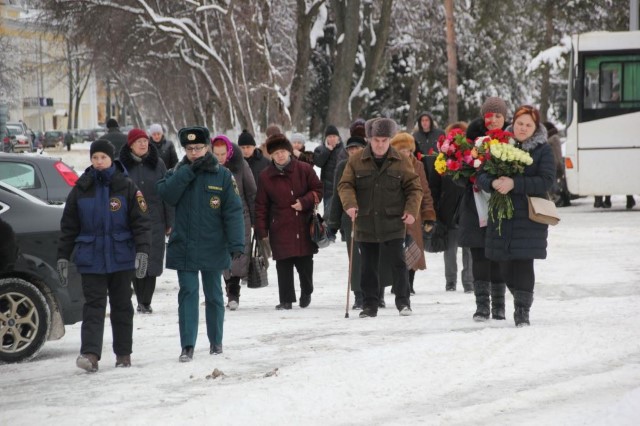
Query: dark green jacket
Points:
[209, 221]
[381, 195]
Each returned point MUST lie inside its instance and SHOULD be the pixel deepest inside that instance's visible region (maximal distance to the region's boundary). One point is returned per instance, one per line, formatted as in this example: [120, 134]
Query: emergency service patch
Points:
[215, 202]
[115, 204]
[141, 201]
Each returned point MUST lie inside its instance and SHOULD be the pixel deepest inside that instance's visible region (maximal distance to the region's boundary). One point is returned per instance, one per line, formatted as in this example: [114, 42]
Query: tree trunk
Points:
[347, 13]
[373, 54]
[413, 102]
[452, 63]
[545, 87]
[299, 84]
[70, 79]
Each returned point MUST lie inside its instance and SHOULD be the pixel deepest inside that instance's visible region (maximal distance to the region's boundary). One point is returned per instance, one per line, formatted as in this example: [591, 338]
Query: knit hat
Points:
[380, 127]
[356, 141]
[331, 130]
[403, 141]
[297, 137]
[495, 105]
[102, 145]
[112, 123]
[193, 135]
[135, 134]
[246, 139]
[271, 130]
[276, 142]
[357, 128]
[155, 128]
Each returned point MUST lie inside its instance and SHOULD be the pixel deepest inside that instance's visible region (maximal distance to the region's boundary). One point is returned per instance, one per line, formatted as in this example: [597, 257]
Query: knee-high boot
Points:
[522, 301]
[481, 290]
[497, 300]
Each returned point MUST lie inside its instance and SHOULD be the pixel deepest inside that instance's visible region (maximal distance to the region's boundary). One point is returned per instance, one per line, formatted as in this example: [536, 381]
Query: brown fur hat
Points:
[276, 142]
[381, 127]
[402, 141]
[271, 130]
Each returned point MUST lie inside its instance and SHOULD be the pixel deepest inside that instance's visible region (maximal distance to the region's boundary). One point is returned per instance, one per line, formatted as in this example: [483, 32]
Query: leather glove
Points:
[236, 255]
[197, 163]
[63, 272]
[142, 261]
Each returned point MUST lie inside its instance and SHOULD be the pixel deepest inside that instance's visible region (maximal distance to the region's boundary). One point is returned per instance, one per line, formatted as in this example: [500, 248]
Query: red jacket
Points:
[287, 229]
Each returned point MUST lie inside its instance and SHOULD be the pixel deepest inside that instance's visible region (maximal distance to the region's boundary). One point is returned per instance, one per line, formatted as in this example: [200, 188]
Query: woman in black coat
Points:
[488, 285]
[521, 240]
[145, 167]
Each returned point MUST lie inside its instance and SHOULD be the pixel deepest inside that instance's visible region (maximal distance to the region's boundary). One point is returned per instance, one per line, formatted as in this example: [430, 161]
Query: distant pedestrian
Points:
[327, 156]
[165, 147]
[297, 142]
[106, 224]
[257, 161]
[381, 192]
[208, 232]
[145, 168]
[114, 135]
[68, 140]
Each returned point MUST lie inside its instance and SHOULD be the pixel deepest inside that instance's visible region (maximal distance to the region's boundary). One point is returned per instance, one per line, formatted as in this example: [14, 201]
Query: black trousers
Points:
[484, 269]
[284, 267]
[394, 259]
[144, 288]
[519, 274]
[96, 287]
[233, 288]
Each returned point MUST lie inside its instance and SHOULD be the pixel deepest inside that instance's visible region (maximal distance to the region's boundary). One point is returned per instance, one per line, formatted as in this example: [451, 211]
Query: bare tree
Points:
[452, 62]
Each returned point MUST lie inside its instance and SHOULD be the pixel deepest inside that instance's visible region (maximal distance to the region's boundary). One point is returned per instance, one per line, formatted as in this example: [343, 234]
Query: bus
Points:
[602, 151]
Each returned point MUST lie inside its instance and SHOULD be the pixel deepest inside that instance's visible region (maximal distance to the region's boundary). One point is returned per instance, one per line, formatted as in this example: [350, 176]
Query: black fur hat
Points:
[194, 135]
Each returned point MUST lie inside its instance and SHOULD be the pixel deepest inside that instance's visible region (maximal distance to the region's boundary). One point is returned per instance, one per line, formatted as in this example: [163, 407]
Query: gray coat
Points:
[247, 189]
[145, 174]
[522, 238]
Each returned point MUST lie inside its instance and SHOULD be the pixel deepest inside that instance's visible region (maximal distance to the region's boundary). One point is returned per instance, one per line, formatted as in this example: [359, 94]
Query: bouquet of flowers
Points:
[504, 160]
[458, 156]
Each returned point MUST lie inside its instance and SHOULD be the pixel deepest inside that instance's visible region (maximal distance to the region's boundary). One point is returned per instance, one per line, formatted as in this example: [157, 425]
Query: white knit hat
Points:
[155, 128]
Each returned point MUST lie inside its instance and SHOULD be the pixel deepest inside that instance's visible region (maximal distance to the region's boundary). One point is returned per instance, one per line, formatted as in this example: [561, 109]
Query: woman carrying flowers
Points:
[514, 242]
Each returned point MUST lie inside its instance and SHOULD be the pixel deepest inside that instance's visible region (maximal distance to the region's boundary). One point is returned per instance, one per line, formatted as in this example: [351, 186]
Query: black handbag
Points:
[318, 228]
[257, 276]
[438, 239]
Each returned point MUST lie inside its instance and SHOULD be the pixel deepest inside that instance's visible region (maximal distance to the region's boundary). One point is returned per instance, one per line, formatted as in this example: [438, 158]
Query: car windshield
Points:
[12, 131]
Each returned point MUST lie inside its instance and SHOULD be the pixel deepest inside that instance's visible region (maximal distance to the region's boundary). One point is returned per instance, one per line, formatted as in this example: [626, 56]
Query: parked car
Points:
[90, 135]
[51, 138]
[44, 177]
[34, 307]
[17, 139]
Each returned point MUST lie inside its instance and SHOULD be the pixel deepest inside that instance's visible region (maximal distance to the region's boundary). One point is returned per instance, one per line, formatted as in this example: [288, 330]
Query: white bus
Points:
[602, 152]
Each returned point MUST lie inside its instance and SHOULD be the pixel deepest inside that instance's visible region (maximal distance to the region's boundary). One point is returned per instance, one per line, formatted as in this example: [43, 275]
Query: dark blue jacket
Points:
[106, 221]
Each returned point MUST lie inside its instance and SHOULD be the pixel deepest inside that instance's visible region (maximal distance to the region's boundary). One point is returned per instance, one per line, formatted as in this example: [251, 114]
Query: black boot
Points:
[597, 201]
[481, 289]
[522, 301]
[607, 202]
[497, 300]
[630, 202]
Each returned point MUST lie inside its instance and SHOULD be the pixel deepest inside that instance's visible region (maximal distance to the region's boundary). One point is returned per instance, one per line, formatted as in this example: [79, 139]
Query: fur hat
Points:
[135, 134]
[276, 142]
[357, 128]
[331, 130]
[193, 135]
[155, 128]
[380, 127]
[271, 130]
[403, 141]
[356, 141]
[112, 123]
[495, 105]
[102, 145]
[246, 139]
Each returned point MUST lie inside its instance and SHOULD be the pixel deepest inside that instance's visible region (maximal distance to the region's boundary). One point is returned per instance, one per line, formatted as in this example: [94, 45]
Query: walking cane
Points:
[353, 233]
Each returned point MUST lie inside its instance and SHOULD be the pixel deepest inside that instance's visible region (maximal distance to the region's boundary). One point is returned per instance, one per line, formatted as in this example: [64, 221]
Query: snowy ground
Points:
[578, 364]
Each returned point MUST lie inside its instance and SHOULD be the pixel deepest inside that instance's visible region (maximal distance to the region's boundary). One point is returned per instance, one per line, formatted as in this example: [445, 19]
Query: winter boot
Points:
[630, 202]
[187, 354]
[597, 201]
[359, 300]
[497, 300]
[522, 301]
[450, 286]
[305, 299]
[88, 362]
[123, 361]
[481, 289]
[468, 287]
[381, 302]
[607, 202]
[215, 349]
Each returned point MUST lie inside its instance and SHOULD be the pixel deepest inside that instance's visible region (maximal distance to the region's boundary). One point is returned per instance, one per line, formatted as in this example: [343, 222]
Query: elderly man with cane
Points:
[381, 192]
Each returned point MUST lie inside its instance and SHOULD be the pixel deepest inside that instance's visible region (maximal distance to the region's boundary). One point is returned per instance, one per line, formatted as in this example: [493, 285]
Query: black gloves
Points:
[63, 272]
[197, 163]
[142, 261]
[236, 255]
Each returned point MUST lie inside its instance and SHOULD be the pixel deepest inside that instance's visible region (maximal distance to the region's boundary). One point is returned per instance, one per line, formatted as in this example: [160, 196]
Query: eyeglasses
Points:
[195, 148]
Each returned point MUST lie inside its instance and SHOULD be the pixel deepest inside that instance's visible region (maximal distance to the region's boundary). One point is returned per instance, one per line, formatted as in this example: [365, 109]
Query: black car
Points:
[34, 307]
[44, 177]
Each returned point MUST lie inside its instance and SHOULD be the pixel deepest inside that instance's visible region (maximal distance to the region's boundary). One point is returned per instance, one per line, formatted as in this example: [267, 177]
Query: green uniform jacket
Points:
[381, 195]
[209, 222]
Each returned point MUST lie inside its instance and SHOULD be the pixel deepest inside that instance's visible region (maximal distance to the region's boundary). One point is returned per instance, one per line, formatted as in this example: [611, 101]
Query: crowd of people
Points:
[380, 192]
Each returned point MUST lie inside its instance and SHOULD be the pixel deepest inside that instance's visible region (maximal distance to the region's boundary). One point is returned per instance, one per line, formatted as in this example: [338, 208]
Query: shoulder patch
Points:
[141, 201]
